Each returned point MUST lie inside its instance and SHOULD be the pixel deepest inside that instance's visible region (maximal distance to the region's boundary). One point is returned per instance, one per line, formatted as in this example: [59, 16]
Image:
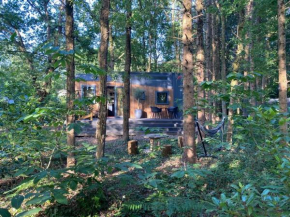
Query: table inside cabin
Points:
[154, 137]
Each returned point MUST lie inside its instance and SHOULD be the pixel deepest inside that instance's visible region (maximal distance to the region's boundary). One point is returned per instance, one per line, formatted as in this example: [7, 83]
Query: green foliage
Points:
[138, 94]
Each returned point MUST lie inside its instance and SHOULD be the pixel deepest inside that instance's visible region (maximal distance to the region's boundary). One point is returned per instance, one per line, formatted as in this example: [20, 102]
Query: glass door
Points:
[119, 96]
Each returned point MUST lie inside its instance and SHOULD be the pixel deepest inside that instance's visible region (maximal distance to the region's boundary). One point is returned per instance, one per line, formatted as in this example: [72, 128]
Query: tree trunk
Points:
[103, 62]
[214, 63]
[248, 16]
[252, 83]
[223, 61]
[282, 65]
[175, 35]
[132, 147]
[70, 83]
[126, 102]
[149, 56]
[200, 60]
[208, 61]
[50, 68]
[111, 49]
[188, 85]
[234, 83]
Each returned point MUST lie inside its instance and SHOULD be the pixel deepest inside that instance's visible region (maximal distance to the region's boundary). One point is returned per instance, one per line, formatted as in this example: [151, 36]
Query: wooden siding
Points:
[149, 100]
[150, 94]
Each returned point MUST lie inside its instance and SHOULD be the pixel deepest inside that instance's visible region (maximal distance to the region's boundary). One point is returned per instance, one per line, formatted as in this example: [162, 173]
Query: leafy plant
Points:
[138, 95]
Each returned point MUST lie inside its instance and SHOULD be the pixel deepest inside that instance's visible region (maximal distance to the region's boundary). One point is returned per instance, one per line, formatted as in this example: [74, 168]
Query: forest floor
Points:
[120, 188]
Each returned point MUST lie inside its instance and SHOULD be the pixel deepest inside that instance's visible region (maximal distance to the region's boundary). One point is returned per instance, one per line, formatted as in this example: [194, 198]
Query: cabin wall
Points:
[150, 83]
[78, 85]
[150, 93]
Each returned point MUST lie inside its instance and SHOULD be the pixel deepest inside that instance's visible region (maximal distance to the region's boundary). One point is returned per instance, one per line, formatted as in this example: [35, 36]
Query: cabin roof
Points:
[118, 77]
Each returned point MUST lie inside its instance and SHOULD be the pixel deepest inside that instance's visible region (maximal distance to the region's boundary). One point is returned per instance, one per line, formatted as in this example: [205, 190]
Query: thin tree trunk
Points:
[188, 85]
[126, 102]
[155, 54]
[111, 49]
[214, 63]
[248, 17]
[175, 41]
[208, 61]
[70, 83]
[149, 56]
[282, 66]
[200, 60]
[236, 66]
[252, 83]
[223, 61]
[218, 61]
[103, 62]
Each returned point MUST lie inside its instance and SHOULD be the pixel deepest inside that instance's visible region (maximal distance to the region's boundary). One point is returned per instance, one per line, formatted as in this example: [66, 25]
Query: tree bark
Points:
[126, 102]
[234, 82]
[248, 17]
[150, 53]
[103, 62]
[223, 61]
[208, 61]
[111, 49]
[214, 64]
[175, 36]
[282, 66]
[188, 85]
[70, 83]
[200, 60]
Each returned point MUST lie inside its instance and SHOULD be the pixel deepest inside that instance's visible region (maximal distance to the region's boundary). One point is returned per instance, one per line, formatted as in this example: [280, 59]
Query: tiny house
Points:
[162, 90]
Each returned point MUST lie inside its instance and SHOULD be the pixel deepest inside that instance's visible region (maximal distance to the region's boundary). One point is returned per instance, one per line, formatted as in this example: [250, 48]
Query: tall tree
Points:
[223, 54]
[208, 55]
[248, 56]
[111, 49]
[234, 82]
[200, 59]
[282, 64]
[214, 60]
[103, 62]
[188, 85]
[126, 102]
[70, 82]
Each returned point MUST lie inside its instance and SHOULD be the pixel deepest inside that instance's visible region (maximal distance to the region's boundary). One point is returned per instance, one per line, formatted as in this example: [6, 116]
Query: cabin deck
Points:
[137, 126]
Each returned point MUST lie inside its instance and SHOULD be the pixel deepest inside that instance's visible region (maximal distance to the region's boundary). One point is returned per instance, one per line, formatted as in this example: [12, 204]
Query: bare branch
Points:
[35, 7]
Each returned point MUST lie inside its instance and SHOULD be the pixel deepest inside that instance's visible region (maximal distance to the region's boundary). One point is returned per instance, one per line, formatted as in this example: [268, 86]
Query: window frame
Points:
[161, 103]
[93, 86]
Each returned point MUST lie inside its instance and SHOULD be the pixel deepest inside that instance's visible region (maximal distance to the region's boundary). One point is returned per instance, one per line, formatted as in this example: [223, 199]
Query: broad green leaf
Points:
[250, 210]
[17, 201]
[250, 199]
[73, 185]
[39, 176]
[178, 174]
[153, 183]
[12, 37]
[265, 192]
[29, 212]
[59, 196]
[4, 213]
[39, 199]
[215, 201]
[124, 166]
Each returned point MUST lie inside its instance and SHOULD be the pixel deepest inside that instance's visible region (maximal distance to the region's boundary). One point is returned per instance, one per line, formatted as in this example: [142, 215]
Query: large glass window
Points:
[161, 98]
[88, 91]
